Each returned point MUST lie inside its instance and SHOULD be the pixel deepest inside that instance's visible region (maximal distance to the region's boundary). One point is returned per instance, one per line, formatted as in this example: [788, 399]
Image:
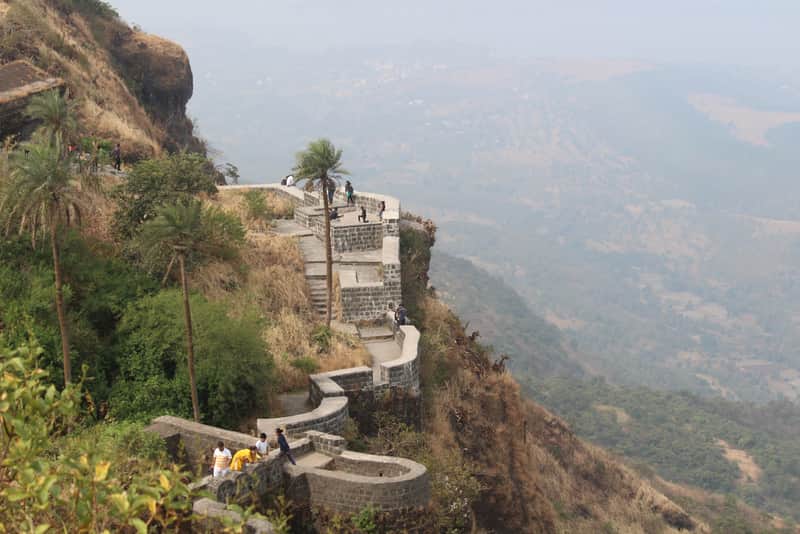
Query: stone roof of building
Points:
[20, 79]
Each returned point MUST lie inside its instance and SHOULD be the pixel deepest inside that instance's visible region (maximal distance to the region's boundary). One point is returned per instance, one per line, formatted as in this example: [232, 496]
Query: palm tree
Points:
[54, 112]
[40, 194]
[190, 231]
[320, 164]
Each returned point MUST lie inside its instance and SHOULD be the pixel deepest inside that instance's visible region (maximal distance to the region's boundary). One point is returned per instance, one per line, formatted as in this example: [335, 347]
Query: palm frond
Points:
[320, 160]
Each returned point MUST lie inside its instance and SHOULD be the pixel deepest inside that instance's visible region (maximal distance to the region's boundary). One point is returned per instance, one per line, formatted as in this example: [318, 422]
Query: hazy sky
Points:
[728, 31]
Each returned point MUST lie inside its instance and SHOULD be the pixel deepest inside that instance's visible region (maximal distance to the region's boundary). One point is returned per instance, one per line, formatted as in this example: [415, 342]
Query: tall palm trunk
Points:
[62, 320]
[187, 313]
[328, 254]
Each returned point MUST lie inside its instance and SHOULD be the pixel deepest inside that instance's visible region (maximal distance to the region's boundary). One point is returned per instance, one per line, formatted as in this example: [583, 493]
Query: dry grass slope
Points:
[78, 50]
[538, 477]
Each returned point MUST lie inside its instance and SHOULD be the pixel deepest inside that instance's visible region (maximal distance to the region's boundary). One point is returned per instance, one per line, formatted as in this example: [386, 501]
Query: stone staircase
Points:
[318, 292]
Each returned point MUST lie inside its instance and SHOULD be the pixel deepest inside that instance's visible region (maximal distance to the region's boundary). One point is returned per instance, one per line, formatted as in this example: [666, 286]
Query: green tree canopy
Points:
[234, 368]
[155, 183]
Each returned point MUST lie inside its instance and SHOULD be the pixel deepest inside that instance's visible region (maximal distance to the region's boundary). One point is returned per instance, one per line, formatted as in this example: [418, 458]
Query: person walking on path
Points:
[243, 457]
[222, 460]
[284, 445]
[381, 209]
[262, 445]
[117, 155]
[349, 191]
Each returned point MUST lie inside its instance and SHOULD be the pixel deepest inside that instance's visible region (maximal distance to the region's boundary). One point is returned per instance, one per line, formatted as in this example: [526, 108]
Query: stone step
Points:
[375, 333]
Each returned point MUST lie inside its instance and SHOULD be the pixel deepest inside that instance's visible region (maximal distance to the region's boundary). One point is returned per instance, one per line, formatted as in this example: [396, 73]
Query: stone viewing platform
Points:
[326, 476]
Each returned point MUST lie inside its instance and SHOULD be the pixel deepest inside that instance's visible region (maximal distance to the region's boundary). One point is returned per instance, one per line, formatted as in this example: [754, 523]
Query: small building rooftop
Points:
[20, 79]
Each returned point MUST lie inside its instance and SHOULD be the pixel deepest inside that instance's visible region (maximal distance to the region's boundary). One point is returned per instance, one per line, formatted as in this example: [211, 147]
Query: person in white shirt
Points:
[262, 446]
[222, 460]
[290, 180]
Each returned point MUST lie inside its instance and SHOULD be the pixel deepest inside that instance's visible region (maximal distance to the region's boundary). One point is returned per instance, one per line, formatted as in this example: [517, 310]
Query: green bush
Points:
[91, 8]
[322, 337]
[364, 520]
[98, 288]
[54, 481]
[306, 364]
[233, 367]
[256, 204]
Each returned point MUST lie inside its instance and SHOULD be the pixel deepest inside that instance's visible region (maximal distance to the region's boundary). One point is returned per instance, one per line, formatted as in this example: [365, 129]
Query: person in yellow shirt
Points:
[243, 457]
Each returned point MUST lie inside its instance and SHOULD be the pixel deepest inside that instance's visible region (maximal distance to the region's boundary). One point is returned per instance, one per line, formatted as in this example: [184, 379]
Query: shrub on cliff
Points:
[81, 487]
[234, 368]
[154, 183]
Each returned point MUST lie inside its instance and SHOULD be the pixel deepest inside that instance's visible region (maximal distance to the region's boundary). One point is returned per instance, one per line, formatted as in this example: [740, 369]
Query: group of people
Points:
[223, 461]
[381, 209]
[350, 195]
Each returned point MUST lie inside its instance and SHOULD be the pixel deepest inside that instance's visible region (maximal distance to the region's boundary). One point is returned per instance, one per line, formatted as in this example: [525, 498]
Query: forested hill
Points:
[739, 449]
[744, 449]
[534, 346]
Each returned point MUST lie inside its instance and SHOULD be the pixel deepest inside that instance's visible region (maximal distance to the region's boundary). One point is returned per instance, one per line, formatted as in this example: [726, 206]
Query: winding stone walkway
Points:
[379, 341]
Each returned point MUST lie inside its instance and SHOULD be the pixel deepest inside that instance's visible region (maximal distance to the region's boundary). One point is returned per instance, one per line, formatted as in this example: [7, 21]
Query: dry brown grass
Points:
[538, 476]
[289, 337]
[233, 201]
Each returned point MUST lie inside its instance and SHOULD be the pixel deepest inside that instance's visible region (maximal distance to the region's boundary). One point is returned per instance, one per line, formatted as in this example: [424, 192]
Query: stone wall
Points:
[349, 492]
[338, 383]
[367, 301]
[351, 482]
[360, 236]
[193, 443]
[360, 300]
[403, 372]
[329, 416]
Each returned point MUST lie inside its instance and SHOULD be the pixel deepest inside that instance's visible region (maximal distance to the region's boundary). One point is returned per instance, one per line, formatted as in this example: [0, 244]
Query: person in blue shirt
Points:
[284, 445]
[400, 315]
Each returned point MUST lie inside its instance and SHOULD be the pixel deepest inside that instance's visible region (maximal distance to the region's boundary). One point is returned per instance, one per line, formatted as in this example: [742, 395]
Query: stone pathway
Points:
[382, 351]
[315, 460]
[293, 403]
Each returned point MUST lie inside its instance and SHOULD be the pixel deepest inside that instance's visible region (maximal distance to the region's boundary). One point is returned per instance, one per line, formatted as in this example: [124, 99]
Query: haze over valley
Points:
[645, 207]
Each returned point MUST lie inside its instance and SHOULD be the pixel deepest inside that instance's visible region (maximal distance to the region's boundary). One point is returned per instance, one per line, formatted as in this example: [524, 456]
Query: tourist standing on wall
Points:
[290, 180]
[400, 315]
[222, 459]
[284, 445]
[117, 155]
[381, 209]
[262, 445]
[350, 192]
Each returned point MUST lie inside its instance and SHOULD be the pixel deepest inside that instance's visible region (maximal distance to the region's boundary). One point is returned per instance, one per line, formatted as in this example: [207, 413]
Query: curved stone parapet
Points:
[329, 416]
[357, 480]
[403, 371]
